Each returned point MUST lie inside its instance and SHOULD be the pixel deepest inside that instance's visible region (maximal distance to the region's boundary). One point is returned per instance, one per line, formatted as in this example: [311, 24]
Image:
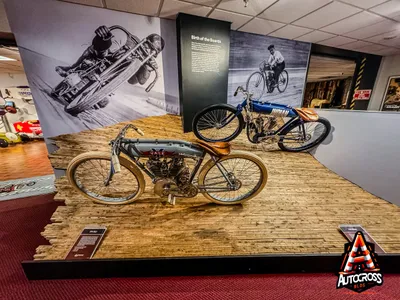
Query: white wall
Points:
[10, 80]
[390, 66]
[364, 147]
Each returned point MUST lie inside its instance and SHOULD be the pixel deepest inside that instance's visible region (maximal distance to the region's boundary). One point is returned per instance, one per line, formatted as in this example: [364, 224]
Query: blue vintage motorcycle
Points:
[223, 122]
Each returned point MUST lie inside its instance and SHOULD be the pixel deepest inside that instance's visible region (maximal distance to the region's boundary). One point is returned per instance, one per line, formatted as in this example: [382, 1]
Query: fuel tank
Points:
[278, 110]
[165, 148]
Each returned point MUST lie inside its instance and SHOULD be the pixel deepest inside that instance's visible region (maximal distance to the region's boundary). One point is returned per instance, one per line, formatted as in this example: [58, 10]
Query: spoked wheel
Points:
[300, 137]
[256, 85]
[245, 169]
[98, 90]
[218, 123]
[283, 81]
[88, 172]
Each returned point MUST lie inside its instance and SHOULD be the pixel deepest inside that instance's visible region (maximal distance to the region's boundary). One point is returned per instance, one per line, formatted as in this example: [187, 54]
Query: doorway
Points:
[329, 82]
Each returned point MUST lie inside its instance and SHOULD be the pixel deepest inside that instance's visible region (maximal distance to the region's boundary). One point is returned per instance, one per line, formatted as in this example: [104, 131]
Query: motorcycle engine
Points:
[261, 126]
[172, 176]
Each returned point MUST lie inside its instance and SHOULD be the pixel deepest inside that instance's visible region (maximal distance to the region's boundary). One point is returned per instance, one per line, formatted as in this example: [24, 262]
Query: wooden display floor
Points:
[24, 160]
[299, 211]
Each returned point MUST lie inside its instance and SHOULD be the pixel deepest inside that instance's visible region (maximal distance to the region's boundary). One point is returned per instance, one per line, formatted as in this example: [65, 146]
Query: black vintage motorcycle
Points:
[228, 177]
[91, 82]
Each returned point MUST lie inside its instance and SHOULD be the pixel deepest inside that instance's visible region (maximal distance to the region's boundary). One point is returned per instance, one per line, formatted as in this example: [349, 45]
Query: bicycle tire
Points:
[216, 107]
[235, 154]
[73, 165]
[287, 81]
[104, 91]
[263, 83]
[318, 141]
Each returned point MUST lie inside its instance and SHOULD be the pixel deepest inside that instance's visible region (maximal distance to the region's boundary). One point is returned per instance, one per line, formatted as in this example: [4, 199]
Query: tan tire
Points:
[125, 178]
[235, 155]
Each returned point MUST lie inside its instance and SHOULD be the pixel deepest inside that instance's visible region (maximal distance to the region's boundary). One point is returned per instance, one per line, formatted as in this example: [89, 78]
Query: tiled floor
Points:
[24, 160]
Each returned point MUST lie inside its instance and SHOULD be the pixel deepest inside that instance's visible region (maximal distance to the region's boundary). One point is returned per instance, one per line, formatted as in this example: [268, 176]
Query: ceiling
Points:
[327, 68]
[370, 26]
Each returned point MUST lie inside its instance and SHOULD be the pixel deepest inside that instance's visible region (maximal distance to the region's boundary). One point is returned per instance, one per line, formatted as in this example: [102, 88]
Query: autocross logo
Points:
[359, 270]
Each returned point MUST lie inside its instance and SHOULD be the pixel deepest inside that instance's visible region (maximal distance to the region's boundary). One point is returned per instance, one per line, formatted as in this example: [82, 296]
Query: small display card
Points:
[350, 230]
[87, 243]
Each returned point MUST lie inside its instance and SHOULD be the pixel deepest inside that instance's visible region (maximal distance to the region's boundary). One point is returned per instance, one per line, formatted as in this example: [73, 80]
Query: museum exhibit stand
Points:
[182, 146]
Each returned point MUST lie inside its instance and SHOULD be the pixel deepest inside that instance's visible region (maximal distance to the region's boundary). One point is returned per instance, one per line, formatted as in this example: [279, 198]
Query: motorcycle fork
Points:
[110, 174]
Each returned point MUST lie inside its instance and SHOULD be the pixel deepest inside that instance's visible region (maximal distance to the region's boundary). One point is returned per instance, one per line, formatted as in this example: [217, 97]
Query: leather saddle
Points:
[217, 149]
[307, 114]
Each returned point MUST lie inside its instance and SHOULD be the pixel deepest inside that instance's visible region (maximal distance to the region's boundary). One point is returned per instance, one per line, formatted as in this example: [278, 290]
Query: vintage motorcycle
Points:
[264, 78]
[89, 84]
[303, 130]
[229, 177]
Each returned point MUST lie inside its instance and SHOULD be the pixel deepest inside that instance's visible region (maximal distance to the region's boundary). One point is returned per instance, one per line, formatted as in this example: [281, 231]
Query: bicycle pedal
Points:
[171, 199]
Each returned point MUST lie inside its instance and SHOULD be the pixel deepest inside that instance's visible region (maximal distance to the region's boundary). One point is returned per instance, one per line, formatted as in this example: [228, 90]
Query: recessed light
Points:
[6, 58]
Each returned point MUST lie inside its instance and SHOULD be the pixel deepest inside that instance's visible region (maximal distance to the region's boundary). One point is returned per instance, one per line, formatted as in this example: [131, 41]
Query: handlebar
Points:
[123, 131]
[242, 90]
[114, 27]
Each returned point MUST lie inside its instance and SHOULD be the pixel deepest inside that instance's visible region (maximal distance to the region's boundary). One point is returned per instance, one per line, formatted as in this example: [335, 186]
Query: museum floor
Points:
[24, 160]
[22, 220]
[299, 211]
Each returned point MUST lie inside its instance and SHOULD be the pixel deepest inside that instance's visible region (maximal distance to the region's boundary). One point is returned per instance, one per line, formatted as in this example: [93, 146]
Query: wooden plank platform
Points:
[20, 161]
[299, 211]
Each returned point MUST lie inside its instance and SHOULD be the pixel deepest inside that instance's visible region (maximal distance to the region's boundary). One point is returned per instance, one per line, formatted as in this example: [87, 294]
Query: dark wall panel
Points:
[203, 61]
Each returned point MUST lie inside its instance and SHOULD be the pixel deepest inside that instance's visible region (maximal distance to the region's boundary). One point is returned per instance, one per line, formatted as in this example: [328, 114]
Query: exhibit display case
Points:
[183, 148]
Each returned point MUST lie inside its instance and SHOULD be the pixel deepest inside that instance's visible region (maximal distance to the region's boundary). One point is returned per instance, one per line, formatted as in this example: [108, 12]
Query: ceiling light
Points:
[6, 58]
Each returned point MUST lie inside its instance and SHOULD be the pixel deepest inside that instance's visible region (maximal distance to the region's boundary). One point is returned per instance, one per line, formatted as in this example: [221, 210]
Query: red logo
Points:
[359, 270]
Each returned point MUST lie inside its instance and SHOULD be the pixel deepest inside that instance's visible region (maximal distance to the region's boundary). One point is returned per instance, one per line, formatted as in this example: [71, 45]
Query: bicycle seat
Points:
[218, 148]
[307, 114]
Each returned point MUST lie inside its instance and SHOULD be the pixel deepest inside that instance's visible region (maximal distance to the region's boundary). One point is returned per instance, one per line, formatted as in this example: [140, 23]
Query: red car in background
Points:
[31, 126]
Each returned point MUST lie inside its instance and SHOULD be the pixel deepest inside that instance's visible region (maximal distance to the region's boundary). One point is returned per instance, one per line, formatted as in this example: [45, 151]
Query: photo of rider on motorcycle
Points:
[104, 66]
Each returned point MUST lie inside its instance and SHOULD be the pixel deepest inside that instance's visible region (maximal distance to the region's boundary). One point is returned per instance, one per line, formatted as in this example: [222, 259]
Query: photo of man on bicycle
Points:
[276, 62]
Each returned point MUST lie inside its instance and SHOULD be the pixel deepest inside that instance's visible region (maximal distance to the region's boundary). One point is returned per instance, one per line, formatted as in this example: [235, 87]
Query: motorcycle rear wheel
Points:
[90, 168]
[247, 168]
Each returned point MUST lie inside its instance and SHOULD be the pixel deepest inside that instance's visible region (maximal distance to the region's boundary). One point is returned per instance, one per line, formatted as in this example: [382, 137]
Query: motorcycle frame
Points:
[116, 149]
[246, 106]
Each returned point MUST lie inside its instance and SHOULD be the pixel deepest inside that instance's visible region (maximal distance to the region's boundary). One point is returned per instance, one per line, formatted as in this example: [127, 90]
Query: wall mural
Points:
[93, 67]
[273, 69]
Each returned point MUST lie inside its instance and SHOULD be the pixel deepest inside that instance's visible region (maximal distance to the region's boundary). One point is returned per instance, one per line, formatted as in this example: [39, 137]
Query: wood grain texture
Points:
[299, 211]
[24, 160]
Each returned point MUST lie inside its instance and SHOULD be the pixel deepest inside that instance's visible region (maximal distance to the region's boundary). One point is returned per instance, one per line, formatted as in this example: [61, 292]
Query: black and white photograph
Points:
[272, 69]
[94, 67]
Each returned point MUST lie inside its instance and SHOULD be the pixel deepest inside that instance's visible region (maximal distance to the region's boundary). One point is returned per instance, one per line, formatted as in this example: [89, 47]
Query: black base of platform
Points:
[194, 266]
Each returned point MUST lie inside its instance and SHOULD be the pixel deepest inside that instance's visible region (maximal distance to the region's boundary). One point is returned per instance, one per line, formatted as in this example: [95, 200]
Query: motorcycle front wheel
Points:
[256, 85]
[97, 91]
[218, 123]
[245, 169]
[88, 172]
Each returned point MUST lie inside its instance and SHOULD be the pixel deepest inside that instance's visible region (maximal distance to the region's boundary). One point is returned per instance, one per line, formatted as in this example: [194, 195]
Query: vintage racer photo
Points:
[101, 69]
